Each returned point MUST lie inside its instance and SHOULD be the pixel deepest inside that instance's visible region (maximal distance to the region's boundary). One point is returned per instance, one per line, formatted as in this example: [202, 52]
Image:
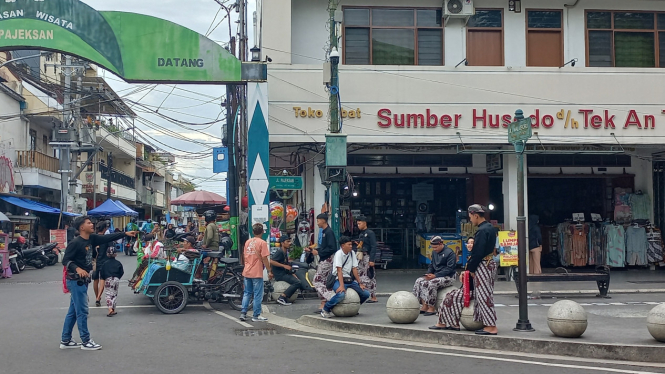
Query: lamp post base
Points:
[523, 326]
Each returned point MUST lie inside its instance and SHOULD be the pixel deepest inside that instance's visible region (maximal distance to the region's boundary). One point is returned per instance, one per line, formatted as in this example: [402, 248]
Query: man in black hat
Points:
[281, 270]
[440, 274]
[325, 251]
[367, 249]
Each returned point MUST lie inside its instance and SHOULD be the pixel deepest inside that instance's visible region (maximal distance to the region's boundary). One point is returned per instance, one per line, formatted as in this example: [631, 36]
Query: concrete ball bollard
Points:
[403, 307]
[348, 307]
[278, 290]
[441, 294]
[467, 318]
[656, 322]
[567, 319]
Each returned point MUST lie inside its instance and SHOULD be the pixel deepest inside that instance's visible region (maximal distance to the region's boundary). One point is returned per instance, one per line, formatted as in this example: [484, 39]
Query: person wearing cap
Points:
[440, 274]
[481, 268]
[366, 257]
[281, 269]
[112, 271]
[187, 246]
[345, 264]
[326, 250]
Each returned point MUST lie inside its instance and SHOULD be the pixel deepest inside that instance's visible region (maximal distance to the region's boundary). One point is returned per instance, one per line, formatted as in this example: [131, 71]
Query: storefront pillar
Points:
[510, 191]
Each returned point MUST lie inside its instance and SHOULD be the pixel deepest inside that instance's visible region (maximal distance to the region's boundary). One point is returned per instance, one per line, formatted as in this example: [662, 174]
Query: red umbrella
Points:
[199, 198]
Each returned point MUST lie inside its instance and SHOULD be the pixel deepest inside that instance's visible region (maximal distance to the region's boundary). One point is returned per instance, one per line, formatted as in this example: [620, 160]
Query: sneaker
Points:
[98, 303]
[259, 319]
[282, 300]
[90, 346]
[69, 344]
[243, 317]
[325, 314]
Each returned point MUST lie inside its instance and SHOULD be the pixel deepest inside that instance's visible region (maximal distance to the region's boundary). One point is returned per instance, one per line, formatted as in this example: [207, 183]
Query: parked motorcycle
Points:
[34, 257]
[51, 253]
[128, 246]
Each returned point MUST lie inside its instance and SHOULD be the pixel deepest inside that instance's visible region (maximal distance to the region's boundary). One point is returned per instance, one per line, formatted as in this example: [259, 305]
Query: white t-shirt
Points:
[351, 263]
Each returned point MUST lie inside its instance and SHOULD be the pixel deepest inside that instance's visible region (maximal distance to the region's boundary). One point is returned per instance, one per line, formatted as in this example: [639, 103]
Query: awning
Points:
[35, 206]
[130, 211]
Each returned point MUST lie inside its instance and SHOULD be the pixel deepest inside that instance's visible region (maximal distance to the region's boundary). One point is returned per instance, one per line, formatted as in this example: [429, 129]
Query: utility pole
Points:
[335, 141]
[65, 151]
[231, 175]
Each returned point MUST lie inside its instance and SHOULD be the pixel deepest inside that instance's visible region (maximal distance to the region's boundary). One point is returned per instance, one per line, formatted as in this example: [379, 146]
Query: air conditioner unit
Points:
[458, 8]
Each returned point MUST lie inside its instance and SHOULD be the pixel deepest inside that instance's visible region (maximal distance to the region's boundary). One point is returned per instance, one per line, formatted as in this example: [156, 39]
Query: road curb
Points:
[619, 352]
[568, 292]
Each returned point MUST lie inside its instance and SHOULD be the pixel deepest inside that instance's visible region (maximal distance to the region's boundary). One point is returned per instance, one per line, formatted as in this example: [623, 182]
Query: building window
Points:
[393, 36]
[484, 38]
[625, 39]
[544, 38]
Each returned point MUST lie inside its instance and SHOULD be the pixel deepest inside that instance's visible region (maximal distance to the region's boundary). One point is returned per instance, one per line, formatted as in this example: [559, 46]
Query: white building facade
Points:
[426, 99]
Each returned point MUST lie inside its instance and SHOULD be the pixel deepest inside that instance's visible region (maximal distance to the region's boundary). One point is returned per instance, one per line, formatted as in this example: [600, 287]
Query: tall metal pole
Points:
[232, 193]
[65, 153]
[523, 323]
[94, 180]
[109, 164]
[332, 140]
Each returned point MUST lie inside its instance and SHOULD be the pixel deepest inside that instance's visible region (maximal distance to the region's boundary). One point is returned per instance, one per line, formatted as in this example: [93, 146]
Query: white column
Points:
[510, 191]
[276, 33]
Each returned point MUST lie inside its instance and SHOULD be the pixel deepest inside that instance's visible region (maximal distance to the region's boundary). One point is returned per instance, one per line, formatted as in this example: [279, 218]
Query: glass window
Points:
[391, 36]
[356, 17]
[430, 47]
[357, 46]
[634, 49]
[544, 19]
[631, 40]
[626, 20]
[661, 21]
[599, 20]
[393, 47]
[429, 17]
[392, 17]
[600, 48]
[486, 18]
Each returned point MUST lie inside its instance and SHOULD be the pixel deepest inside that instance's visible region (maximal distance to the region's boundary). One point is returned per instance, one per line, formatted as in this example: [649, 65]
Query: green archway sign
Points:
[138, 48]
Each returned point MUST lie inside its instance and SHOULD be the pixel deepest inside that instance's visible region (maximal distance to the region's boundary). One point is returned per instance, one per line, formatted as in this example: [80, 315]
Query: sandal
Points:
[452, 328]
[98, 303]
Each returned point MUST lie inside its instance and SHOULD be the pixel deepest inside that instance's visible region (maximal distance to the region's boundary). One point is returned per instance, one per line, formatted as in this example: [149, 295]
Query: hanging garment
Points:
[616, 246]
[595, 245]
[636, 246]
[622, 214]
[640, 206]
[579, 244]
[655, 246]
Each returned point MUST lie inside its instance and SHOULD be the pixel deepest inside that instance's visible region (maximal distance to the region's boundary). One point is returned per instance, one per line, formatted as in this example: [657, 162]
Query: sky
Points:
[194, 104]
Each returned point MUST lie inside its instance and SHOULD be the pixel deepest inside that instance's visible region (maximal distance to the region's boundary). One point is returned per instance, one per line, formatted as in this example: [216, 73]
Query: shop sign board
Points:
[494, 162]
[508, 248]
[286, 183]
[520, 131]
[260, 214]
[60, 237]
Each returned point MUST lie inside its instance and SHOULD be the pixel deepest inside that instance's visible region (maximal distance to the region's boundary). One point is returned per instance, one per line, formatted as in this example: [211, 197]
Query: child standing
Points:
[112, 271]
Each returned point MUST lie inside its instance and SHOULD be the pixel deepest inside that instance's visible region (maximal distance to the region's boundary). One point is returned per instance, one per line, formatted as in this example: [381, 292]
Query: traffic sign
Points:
[286, 183]
[520, 130]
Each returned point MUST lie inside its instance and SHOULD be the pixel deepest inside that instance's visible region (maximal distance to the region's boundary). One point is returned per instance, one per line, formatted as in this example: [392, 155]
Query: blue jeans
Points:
[78, 312]
[253, 288]
[339, 296]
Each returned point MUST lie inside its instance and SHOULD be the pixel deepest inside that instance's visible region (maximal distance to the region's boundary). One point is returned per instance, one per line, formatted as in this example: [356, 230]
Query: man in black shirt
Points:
[325, 251]
[281, 270]
[367, 248]
[481, 267]
[440, 274]
[78, 264]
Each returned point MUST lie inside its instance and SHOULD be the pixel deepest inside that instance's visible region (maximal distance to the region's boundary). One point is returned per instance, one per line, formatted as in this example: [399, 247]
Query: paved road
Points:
[142, 340]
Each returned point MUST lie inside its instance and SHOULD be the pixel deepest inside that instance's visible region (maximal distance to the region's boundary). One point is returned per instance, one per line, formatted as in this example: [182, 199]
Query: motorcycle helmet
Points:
[20, 240]
[210, 215]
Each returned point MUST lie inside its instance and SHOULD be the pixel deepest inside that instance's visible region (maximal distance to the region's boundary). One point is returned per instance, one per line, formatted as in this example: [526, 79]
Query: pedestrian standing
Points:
[78, 265]
[100, 258]
[325, 251]
[257, 255]
[535, 245]
[112, 271]
[481, 268]
[367, 251]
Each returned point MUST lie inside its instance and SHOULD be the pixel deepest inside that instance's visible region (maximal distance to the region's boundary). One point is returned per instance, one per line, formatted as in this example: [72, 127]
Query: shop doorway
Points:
[398, 209]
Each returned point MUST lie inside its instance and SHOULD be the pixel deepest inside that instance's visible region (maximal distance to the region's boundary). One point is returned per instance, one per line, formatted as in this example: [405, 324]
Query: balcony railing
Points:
[117, 177]
[34, 159]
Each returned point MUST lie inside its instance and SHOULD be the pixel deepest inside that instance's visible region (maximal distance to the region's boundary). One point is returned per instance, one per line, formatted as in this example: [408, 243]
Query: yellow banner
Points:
[508, 248]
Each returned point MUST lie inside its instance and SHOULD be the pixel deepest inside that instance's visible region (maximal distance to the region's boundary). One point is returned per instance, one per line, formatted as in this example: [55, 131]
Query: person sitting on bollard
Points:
[478, 284]
[281, 270]
[345, 263]
[440, 274]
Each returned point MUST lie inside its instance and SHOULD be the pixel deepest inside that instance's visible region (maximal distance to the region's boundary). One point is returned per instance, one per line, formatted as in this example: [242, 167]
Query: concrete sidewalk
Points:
[617, 328]
[621, 281]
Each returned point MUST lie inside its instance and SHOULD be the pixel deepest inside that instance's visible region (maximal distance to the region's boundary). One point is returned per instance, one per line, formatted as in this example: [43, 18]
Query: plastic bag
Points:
[64, 280]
